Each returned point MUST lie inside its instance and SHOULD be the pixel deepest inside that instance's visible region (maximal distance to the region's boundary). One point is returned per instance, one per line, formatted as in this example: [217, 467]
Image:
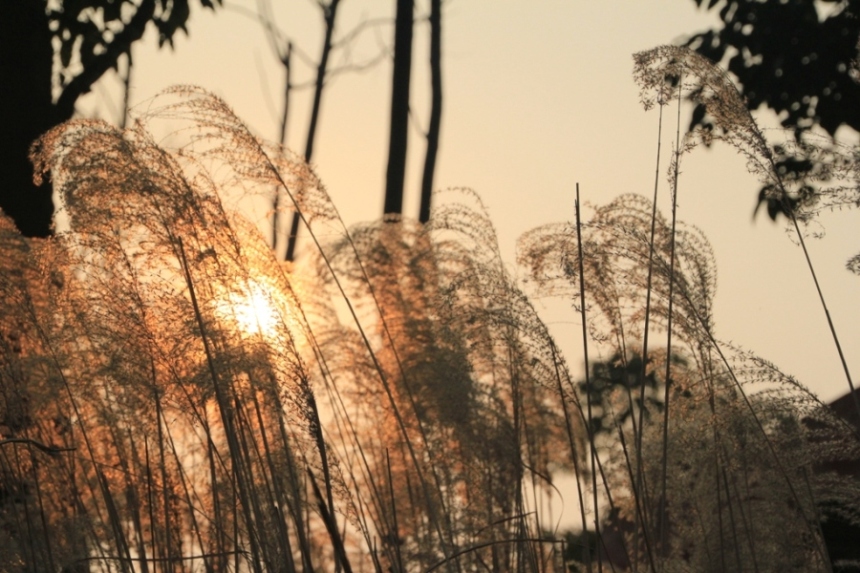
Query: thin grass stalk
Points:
[526, 553]
[637, 506]
[333, 391]
[165, 492]
[272, 487]
[590, 431]
[251, 457]
[817, 516]
[537, 516]
[605, 480]
[234, 503]
[601, 470]
[518, 502]
[150, 498]
[226, 413]
[32, 536]
[376, 496]
[830, 325]
[600, 467]
[135, 502]
[42, 514]
[412, 495]
[718, 492]
[413, 404]
[300, 215]
[573, 456]
[52, 355]
[705, 535]
[734, 526]
[115, 523]
[536, 551]
[280, 517]
[294, 506]
[751, 524]
[639, 517]
[377, 366]
[662, 515]
[195, 528]
[316, 430]
[395, 531]
[331, 525]
[363, 518]
[217, 512]
[637, 432]
[746, 522]
[254, 465]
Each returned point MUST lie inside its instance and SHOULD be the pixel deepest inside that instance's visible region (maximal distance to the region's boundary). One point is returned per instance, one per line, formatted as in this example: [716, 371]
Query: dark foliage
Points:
[90, 37]
[792, 57]
[624, 377]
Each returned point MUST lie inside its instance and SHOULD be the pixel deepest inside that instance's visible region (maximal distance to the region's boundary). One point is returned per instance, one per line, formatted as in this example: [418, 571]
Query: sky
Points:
[538, 97]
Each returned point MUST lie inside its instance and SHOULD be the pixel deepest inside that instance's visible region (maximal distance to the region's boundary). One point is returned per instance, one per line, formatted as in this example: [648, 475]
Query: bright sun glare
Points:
[252, 311]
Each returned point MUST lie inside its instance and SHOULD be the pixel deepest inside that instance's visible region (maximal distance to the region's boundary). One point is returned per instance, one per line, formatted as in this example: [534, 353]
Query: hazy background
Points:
[539, 96]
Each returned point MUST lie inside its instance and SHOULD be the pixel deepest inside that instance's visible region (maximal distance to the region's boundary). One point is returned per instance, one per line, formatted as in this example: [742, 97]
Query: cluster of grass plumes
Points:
[173, 397]
[185, 418]
[739, 478]
[461, 396]
[176, 398]
[736, 466]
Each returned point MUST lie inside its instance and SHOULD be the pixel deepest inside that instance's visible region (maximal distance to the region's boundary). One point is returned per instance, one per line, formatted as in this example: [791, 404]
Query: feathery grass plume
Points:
[728, 506]
[465, 375]
[799, 177]
[616, 248]
[189, 354]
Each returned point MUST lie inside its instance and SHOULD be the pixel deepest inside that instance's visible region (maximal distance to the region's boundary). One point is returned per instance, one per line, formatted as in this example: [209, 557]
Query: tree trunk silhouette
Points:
[330, 13]
[28, 37]
[26, 111]
[435, 109]
[396, 171]
[286, 61]
[26, 104]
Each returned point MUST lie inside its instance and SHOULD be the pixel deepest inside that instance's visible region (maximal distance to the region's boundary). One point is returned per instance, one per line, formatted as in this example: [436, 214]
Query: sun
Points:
[252, 311]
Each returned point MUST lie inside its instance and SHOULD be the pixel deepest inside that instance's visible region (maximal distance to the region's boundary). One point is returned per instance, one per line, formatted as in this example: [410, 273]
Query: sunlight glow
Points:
[252, 311]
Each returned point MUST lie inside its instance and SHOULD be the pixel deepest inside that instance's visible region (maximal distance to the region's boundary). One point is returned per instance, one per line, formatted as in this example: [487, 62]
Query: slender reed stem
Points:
[830, 325]
[640, 499]
[662, 514]
[588, 387]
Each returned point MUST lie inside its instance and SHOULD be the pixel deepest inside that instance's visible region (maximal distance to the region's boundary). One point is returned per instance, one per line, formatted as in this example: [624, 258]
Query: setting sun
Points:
[252, 310]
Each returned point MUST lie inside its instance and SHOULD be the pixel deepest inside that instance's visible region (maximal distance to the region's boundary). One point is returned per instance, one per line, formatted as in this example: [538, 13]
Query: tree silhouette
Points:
[435, 109]
[396, 171]
[795, 57]
[329, 15]
[90, 37]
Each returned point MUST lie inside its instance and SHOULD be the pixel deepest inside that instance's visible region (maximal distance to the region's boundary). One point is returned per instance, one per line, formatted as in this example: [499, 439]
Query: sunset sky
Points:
[539, 96]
